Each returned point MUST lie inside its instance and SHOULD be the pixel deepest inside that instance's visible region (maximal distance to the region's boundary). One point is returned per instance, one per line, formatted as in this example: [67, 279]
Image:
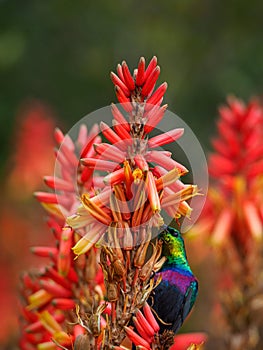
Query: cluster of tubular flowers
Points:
[146, 327]
[234, 208]
[103, 224]
[142, 179]
[49, 295]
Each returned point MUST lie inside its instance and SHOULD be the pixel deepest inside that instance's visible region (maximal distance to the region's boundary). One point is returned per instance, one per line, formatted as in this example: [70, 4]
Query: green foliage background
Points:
[61, 52]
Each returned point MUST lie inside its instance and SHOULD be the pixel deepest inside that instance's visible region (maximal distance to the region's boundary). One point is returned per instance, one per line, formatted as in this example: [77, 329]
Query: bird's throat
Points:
[178, 263]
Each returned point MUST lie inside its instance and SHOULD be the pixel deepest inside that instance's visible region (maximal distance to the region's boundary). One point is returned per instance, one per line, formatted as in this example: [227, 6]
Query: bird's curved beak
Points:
[163, 229]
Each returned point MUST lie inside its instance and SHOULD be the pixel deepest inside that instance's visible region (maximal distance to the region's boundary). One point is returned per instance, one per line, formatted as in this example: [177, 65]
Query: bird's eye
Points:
[175, 233]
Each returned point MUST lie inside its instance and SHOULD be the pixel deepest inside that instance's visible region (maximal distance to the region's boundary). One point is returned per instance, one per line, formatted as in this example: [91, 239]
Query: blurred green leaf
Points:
[12, 48]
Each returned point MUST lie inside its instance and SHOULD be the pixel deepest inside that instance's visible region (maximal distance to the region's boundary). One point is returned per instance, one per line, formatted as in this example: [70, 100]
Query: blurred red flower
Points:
[234, 207]
[184, 341]
[33, 153]
[31, 156]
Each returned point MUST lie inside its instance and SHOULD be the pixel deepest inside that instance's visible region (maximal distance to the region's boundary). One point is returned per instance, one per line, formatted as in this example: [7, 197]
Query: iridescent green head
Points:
[173, 245]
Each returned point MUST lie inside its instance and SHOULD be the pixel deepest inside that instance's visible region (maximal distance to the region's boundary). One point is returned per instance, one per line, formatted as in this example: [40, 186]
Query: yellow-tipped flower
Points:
[89, 240]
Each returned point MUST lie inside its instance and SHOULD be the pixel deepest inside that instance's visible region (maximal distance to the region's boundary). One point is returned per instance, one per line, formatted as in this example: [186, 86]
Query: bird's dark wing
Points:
[172, 306]
[168, 302]
[189, 300]
[186, 306]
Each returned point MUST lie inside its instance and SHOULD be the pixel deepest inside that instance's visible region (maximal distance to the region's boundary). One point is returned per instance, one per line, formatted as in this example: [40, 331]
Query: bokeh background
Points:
[55, 59]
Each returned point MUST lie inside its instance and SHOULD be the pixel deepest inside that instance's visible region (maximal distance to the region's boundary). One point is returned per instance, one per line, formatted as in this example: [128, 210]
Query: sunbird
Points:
[174, 297]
